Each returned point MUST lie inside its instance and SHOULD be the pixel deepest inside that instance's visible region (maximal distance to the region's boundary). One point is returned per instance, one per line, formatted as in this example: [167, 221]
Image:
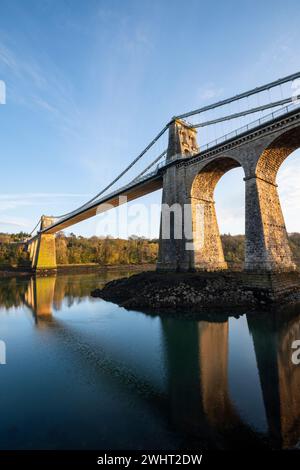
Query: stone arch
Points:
[208, 252]
[274, 155]
[205, 181]
[267, 247]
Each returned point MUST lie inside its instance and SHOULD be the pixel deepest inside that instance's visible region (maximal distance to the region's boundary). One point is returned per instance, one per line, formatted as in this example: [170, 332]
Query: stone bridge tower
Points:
[189, 233]
[42, 250]
[182, 140]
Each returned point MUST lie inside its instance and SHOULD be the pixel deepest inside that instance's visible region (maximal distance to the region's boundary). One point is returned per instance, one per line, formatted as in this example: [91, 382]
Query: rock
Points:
[188, 291]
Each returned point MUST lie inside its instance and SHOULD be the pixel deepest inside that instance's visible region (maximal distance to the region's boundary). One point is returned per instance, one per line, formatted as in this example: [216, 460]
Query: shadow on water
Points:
[198, 402]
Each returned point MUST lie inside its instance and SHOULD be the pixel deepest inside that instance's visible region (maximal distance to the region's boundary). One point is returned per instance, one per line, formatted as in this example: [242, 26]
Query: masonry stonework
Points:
[42, 250]
[208, 251]
[182, 140]
[193, 181]
[266, 243]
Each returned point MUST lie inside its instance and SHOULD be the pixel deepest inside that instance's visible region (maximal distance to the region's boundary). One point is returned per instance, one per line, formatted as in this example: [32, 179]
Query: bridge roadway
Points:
[154, 180]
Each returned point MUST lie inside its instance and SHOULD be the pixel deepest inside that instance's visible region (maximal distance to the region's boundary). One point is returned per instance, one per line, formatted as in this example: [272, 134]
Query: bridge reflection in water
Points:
[40, 296]
[199, 400]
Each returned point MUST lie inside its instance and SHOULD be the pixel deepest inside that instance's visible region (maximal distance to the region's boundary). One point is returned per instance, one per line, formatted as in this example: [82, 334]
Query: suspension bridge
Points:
[188, 173]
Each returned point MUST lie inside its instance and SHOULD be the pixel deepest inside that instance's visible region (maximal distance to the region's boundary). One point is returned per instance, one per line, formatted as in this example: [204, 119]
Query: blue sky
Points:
[90, 82]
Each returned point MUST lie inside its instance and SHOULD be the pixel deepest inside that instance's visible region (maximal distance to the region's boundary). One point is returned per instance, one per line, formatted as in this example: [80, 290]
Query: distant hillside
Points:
[233, 246]
[74, 249]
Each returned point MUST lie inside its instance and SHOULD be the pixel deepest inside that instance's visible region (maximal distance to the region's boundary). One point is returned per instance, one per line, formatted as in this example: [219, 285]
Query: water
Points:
[83, 373]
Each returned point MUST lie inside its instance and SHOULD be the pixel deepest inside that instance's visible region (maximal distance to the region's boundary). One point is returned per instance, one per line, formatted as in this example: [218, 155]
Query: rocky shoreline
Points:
[11, 271]
[192, 292]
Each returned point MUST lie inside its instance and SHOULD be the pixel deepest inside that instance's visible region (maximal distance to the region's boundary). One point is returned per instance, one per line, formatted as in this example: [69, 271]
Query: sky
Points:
[89, 83]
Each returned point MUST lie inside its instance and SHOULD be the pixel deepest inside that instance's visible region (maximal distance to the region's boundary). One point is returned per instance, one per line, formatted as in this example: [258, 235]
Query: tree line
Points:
[105, 251]
[74, 249]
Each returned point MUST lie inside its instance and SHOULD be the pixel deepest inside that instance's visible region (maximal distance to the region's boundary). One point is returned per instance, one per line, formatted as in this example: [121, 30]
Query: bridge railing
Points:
[251, 125]
[141, 178]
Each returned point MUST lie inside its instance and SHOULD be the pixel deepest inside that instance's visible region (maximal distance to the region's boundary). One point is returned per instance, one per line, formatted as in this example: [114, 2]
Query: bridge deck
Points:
[138, 189]
[154, 181]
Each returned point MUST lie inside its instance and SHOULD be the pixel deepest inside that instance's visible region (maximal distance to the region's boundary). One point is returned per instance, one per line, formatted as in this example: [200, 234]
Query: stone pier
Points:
[42, 250]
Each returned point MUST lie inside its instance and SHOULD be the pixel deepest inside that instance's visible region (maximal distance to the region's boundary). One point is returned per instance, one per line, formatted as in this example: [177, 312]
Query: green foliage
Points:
[294, 239]
[233, 246]
[105, 251]
[11, 253]
[115, 251]
[12, 293]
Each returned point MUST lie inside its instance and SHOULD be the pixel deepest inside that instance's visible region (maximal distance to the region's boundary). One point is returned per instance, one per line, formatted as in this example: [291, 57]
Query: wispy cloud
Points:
[208, 92]
[26, 69]
[231, 219]
[14, 201]
[18, 223]
[38, 84]
[7, 58]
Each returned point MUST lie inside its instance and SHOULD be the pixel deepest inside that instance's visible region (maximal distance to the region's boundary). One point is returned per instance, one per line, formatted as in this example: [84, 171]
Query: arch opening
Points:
[276, 153]
[208, 253]
[289, 195]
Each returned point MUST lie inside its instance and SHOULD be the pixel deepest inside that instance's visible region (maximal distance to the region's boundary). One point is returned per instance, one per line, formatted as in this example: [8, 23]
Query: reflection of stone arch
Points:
[197, 366]
[273, 335]
[213, 345]
[208, 253]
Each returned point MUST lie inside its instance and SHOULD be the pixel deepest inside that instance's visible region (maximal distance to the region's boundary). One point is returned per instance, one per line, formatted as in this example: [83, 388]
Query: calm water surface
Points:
[84, 373]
